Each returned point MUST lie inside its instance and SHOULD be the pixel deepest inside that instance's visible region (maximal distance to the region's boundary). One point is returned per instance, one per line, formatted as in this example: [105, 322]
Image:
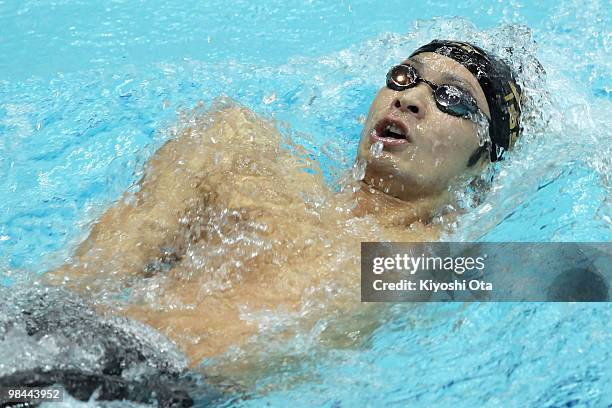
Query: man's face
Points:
[436, 147]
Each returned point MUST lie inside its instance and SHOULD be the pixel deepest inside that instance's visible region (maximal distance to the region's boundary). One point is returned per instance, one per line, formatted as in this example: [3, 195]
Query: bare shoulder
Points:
[205, 137]
[240, 123]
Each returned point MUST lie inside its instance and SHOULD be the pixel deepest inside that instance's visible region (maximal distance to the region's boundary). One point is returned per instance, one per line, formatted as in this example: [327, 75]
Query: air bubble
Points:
[376, 149]
[267, 100]
[482, 128]
[359, 168]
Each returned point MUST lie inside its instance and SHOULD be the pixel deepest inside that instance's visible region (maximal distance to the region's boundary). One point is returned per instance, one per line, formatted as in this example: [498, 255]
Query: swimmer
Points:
[228, 229]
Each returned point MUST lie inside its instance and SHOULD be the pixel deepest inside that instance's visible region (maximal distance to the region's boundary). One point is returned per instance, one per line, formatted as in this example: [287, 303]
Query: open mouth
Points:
[390, 132]
[394, 132]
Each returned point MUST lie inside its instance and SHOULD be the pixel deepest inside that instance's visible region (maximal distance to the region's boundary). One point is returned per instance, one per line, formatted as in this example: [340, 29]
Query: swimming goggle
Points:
[449, 98]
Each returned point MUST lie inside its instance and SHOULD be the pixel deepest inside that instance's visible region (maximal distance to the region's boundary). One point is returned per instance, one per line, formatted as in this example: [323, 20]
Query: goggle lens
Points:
[401, 77]
[447, 95]
[449, 98]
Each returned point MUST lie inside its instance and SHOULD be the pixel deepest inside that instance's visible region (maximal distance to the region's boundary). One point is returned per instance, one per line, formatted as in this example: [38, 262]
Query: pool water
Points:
[89, 91]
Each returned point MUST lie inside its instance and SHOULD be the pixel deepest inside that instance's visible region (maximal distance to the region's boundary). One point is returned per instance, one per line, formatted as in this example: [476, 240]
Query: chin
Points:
[405, 185]
[386, 167]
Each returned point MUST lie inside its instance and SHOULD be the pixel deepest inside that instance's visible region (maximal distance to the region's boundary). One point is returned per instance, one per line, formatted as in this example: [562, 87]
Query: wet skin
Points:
[437, 145]
[227, 227]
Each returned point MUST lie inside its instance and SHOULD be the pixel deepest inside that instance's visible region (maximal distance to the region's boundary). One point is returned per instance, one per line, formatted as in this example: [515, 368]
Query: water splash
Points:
[376, 149]
[562, 156]
[482, 128]
[359, 169]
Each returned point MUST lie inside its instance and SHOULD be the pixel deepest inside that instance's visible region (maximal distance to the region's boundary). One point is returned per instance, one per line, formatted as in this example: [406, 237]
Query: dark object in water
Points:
[578, 285]
[81, 385]
[118, 358]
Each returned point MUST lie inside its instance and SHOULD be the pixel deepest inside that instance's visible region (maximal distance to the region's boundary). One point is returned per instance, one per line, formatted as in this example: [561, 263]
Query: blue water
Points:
[89, 91]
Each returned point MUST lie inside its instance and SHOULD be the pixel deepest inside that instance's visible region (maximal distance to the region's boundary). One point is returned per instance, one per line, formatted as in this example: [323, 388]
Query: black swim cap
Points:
[498, 84]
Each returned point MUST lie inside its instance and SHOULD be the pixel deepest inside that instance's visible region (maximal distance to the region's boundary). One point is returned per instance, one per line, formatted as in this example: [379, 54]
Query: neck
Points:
[390, 210]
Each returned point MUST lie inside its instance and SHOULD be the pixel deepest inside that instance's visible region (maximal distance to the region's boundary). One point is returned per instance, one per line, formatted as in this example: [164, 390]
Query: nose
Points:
[411, 101]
